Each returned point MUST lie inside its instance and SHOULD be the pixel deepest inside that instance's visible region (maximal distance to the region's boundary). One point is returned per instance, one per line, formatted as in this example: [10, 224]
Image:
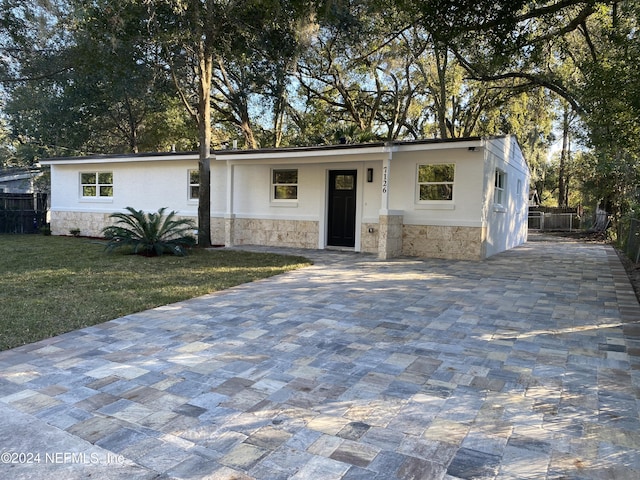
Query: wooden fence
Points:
[22, 212]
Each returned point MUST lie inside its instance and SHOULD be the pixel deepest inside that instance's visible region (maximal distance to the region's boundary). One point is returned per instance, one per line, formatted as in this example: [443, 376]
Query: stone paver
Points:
[525, 365]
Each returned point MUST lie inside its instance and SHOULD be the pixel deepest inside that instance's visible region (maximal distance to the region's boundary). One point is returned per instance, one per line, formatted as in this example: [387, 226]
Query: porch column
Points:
[390, 236]
[386, 170]
[229, 216]
[389, 221]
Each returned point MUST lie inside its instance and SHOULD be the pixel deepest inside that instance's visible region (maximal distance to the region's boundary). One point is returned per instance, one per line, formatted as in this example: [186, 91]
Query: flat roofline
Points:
[352, 147]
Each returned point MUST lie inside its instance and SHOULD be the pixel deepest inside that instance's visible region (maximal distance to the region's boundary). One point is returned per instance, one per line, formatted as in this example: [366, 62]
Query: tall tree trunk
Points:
[205, 69]
[246, 128]
[441, 99]
[278, 120]
[562, 193]
[132, 124]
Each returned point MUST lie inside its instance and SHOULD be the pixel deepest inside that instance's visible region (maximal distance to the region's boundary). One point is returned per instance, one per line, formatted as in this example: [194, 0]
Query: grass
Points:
[51, 285]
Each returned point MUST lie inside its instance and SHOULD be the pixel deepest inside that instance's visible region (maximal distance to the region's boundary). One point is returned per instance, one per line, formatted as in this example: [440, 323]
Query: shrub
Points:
[150, 234]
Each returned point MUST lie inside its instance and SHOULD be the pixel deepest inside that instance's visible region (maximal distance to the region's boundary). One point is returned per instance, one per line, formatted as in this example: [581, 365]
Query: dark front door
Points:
[342, 208]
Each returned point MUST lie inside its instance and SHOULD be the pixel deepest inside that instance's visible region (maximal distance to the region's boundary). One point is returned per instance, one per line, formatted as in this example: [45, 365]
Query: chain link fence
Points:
[543, 221]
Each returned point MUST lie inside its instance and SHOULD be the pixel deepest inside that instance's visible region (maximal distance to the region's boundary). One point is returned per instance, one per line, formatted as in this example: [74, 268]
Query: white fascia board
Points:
[421, 147]
[297, 154]
[339, 154]
[117, 159]
[307, 156]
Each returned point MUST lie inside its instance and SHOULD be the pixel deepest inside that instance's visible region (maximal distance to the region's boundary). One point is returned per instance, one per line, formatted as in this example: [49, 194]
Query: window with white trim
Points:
[499, 192]
[96, 184]
[284, 184]
[435, 182]
[194, 184]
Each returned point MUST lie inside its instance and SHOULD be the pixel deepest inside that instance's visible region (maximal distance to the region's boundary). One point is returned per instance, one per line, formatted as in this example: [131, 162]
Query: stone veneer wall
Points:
[277, 233]
[89, 223]
[369, 240]
[217, 230]
[451, 243]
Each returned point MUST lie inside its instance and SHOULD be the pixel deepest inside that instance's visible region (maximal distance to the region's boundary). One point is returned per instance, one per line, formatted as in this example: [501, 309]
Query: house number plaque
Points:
[384, 179]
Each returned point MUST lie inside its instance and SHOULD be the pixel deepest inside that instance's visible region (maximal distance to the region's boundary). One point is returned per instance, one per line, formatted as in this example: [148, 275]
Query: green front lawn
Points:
[52, 285]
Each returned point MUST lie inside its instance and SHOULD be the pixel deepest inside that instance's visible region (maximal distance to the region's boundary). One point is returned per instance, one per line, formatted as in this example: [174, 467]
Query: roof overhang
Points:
[334, 153]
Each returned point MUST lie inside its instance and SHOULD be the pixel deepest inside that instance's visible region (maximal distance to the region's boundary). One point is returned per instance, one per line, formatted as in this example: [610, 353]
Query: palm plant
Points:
[150, 234]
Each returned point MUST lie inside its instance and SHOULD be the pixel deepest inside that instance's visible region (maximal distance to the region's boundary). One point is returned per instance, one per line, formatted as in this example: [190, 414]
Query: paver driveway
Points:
[521, 366]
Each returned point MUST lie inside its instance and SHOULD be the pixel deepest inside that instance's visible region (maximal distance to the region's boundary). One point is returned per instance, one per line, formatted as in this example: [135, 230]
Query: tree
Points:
[370, 70]
[191, 38]
[603, 53]
[584, 52]
[29, 31]
[186, 35]
[108, 98]
[251, 78]
[7, 148]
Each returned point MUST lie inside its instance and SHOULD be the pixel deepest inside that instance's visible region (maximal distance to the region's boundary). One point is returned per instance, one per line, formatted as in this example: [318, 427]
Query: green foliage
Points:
[150, 234]
[109, 76]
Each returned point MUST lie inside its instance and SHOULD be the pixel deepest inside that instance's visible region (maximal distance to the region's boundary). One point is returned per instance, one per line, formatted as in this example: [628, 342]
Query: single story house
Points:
[453, 199]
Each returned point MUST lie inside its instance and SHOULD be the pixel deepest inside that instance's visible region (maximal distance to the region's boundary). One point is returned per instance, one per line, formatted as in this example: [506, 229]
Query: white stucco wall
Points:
[507, 223]
[464, 210]
[142, 185]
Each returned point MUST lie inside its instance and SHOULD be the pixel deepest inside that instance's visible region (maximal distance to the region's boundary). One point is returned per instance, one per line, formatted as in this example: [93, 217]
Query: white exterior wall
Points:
[219, 180]
[141, 185]
[144, 186]
[507, 223]
[257, 179]
[464, 210]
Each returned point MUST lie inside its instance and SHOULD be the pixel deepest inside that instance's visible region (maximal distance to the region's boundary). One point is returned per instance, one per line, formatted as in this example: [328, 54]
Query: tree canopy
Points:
[134, 75]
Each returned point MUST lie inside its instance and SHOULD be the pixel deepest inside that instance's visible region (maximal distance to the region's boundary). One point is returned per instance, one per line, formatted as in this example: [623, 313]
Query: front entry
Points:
[341, 222]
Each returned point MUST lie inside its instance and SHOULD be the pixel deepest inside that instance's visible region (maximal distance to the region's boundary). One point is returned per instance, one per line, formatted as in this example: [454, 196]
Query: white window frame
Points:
[191, 185]
[275, 185]
[442, 203]
[97, 185]
[499, 187]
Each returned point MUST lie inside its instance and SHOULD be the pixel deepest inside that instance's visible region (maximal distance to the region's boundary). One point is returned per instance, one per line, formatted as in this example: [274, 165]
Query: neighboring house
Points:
[22, 209]
[453, 199]
[18, 180]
